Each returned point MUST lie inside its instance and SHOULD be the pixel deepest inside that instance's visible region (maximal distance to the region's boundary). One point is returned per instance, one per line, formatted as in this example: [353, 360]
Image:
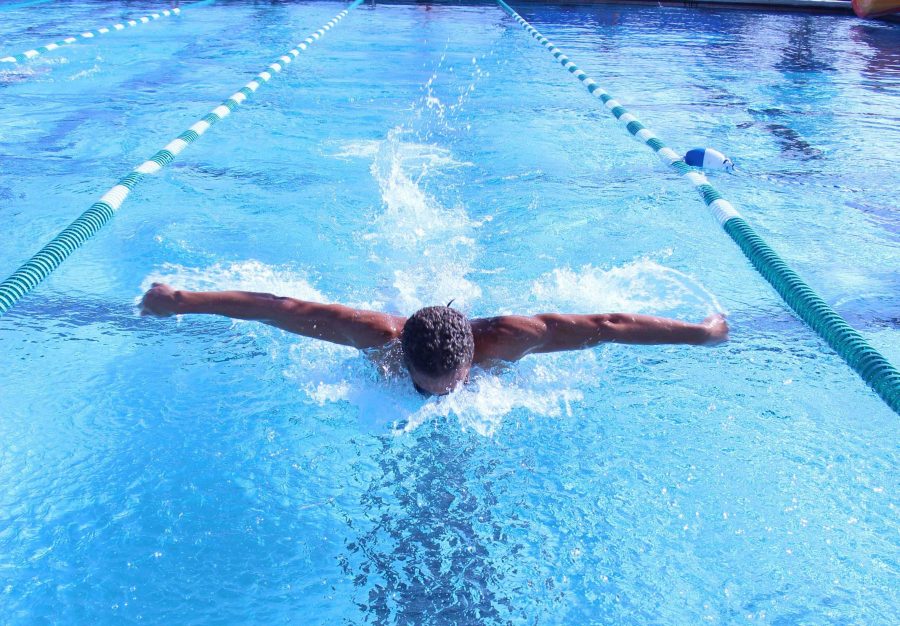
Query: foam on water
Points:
[430, 251]
[359, 149]
[85, 73]
[428, 248]
[533, 388]
[244, 276]
[8, 77]
[642, 286]
[37, 69]
[415, 156]
[542, 387]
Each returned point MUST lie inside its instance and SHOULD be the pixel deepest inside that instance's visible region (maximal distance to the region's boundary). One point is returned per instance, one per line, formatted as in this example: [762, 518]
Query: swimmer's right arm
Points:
[329, 322]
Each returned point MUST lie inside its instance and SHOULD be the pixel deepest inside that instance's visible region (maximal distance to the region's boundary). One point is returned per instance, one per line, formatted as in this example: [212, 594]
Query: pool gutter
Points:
[814, 6]
[823, 6]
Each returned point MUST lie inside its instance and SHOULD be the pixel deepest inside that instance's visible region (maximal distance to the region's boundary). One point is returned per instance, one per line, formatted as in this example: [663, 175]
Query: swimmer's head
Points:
[438, 347]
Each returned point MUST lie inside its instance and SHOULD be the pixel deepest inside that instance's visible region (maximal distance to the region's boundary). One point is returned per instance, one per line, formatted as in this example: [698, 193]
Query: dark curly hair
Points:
[437, 340]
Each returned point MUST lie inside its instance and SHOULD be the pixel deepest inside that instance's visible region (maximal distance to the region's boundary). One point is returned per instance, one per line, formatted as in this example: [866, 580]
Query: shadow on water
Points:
[792, 144]
[801, 52]
[806, 65]
[884, 216]
[427, 548]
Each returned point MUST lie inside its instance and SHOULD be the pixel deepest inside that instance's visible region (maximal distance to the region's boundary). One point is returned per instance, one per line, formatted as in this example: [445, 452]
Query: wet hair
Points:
[437, 340]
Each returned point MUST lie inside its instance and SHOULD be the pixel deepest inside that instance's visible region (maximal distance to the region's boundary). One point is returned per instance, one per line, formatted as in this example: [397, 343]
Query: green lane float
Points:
[865, 360]
[90, 34]
[42, 264]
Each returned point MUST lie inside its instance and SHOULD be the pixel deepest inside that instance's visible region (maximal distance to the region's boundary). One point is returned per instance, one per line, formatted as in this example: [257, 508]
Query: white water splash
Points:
[429, 249]
[545, 387]
[642, 286]
[489, 399]
[358, 149]
[9, 77]
[85, 73]
[244, 276]
[417, 158]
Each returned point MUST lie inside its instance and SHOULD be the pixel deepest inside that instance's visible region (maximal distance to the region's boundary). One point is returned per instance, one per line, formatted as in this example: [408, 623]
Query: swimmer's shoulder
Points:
[503, 338]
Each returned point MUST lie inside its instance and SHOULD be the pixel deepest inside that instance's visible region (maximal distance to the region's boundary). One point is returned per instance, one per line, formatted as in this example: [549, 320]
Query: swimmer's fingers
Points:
[146, 309]
[147, 312]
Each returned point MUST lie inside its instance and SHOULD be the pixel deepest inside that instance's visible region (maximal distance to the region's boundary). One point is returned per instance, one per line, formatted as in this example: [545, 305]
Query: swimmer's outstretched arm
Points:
[511, 337]
[330, 322]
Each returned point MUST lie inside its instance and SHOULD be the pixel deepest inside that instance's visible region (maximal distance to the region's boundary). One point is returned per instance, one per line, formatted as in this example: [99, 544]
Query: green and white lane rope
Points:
[90, 34]
[42, 264]
[865, 360]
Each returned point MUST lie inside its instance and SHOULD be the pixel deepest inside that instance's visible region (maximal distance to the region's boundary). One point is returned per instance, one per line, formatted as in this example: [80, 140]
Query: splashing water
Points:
[532, 388]
[244, 276]
[428, 251]
[642, 286]
[544, 386]
[427, 247]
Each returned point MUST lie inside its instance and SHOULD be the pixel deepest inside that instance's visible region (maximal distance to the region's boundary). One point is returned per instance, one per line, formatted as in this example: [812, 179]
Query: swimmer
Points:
[438, 344]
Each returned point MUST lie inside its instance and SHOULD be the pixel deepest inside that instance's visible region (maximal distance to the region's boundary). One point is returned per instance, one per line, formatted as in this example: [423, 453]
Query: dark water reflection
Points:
[882, 65]
[428, 548]
[804, 51]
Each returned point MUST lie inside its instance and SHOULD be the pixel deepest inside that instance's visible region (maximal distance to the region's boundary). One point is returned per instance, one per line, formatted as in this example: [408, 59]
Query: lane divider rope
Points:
[90, 34]
[51, 256]
[865, 360]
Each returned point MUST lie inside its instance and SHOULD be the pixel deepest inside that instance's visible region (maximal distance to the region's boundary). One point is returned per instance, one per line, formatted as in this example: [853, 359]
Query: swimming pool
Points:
[199, 470]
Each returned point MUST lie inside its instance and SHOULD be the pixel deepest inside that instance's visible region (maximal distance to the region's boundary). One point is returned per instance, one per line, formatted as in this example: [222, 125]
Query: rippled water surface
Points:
[198, 470]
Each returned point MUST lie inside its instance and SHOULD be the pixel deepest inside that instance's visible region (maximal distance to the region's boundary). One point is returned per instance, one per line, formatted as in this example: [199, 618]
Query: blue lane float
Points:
[708, 159]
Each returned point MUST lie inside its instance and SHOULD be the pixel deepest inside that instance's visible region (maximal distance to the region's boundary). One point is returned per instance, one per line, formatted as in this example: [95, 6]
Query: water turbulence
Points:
[424, 248]
[643, 286]
[245, 276]
[429, 249]
[428, 254]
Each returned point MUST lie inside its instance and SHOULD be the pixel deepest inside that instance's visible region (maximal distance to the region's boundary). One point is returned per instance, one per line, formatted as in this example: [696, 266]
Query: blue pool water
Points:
[198, 470]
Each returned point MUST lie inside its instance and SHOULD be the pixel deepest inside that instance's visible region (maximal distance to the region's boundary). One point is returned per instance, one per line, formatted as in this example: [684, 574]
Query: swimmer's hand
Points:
[716, 329]
[159, 301]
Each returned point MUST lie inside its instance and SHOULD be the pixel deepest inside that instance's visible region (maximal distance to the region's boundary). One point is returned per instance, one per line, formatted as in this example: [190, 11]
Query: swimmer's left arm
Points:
[512, 337]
